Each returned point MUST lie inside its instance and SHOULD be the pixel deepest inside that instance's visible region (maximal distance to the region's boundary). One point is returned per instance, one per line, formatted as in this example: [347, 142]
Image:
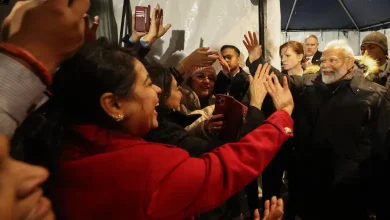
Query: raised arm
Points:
[156, 31]
[216, 176]
[256, 58]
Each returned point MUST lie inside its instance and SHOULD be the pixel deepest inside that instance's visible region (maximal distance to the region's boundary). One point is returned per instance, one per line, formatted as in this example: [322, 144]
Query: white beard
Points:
[331, 79]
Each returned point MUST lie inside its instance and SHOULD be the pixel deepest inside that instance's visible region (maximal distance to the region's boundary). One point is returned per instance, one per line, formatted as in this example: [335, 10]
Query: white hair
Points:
[340, 44]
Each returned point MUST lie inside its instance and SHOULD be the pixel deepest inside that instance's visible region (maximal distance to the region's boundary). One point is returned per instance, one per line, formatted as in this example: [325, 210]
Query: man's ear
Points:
[110, 104]
[351, 61]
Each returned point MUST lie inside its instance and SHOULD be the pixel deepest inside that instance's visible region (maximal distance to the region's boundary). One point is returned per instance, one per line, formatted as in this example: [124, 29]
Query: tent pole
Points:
[376, 25]
[262, 9]
[291, 13]
[349, 14]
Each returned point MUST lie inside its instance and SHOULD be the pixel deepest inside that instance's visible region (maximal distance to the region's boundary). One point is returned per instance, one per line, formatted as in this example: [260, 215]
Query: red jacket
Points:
[110, 175]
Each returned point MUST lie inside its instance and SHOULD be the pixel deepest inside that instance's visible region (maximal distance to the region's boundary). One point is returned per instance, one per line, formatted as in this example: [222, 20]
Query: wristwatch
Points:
[144, 43]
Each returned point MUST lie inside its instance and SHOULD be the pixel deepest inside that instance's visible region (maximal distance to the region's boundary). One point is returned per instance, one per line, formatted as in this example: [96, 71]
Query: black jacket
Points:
[341, 150]
[316, 58]
[236, 86]
[141, 51]
[171, 131]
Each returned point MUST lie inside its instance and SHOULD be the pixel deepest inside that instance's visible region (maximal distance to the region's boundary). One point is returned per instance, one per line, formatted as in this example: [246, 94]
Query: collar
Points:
[238, 71]
[383, 69]
[88, 140]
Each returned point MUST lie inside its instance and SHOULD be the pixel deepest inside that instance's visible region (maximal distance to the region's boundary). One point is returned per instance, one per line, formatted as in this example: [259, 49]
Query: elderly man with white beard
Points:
[339, 162]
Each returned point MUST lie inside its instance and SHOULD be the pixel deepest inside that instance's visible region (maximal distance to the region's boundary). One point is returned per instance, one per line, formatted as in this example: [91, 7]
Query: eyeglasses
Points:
[332, 60]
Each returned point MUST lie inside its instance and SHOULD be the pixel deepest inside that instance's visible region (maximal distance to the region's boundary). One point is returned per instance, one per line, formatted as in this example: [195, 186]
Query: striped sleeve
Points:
[20, 92]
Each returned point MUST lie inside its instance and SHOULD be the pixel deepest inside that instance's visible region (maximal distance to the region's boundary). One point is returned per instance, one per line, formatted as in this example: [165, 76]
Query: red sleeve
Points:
[186, 186]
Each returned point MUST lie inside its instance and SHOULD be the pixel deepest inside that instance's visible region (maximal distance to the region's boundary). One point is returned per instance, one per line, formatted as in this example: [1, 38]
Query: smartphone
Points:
[222, 104]
[234, 116]
[142, 18]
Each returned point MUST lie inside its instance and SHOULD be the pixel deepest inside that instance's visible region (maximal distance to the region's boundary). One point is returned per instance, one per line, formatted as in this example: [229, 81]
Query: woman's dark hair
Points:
[162, 78]
[97, 68]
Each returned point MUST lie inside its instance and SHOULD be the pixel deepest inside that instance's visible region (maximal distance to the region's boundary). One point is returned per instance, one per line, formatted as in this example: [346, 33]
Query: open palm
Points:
[252, 45]
[273, 210]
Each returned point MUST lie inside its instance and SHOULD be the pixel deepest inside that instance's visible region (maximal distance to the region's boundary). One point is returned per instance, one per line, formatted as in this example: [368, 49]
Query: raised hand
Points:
[257, 87]
[281, 96]
[224, 64]
[135, 35]
[156, 29]
[51, 30]
[252, 45]
[273, 210]
[200, 57]
[162, 29]
[90, 32]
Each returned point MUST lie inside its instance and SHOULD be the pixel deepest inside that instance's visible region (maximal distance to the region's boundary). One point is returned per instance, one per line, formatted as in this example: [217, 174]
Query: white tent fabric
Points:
[353, 37]
[217, 22]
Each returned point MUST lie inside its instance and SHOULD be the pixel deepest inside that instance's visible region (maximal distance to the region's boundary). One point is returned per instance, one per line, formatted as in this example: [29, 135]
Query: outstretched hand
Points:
[281, 96]
[224, 64]
[135, 35]
[252, 45]
[257, 88]
[156, 29]
[273, 210]
[201, 57]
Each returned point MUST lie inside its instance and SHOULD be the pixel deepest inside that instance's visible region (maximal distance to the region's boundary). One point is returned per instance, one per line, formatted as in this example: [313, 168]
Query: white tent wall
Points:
[353, 37]
[217, 22]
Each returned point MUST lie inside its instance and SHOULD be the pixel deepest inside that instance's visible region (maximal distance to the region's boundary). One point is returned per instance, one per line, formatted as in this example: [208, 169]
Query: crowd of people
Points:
[93, 130]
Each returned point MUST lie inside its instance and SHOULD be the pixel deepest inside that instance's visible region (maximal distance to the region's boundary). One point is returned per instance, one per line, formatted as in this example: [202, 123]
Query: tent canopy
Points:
[359, 15]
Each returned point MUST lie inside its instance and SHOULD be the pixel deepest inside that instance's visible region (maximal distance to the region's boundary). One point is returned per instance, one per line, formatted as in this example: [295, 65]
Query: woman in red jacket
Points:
[108, 172]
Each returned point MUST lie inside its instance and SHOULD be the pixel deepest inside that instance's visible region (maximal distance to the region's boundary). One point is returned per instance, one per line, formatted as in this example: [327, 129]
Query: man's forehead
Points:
[311, 40]
[228, 51]
[333, 51]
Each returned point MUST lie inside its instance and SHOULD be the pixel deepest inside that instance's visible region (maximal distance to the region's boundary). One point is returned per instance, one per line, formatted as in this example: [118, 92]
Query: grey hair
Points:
[341, 44]
[311, 36]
